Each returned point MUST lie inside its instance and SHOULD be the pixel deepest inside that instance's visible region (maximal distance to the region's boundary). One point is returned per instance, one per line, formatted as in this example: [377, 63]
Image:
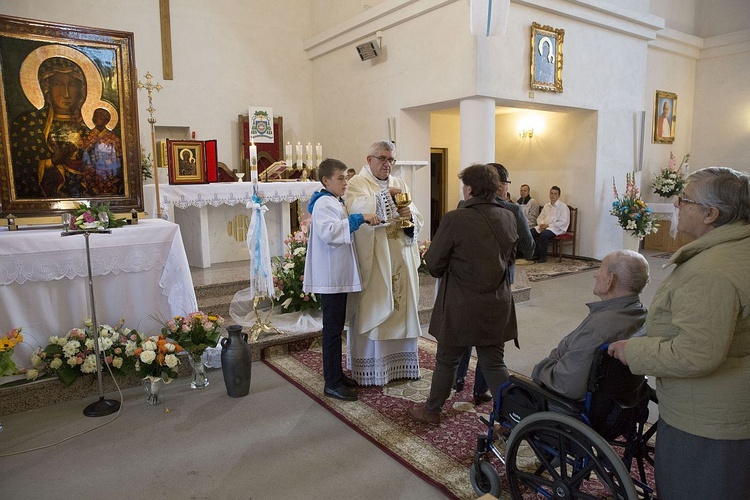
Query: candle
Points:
[298, 151]
[308, 154]
[318, 154]
[253, 162]
[288, 154]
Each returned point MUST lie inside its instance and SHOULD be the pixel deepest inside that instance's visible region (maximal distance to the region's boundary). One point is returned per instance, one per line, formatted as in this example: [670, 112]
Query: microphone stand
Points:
[102, 407]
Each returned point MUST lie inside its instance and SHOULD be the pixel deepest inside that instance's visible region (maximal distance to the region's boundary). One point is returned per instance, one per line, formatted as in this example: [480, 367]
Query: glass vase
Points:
[153, 387]
[200, 379]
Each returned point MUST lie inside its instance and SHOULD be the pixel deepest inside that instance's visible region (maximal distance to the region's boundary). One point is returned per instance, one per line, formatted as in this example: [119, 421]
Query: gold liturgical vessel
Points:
[403, 200]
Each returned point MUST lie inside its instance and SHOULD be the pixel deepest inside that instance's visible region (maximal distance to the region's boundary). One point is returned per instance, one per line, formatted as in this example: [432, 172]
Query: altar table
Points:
[214, 217]
[140, 273]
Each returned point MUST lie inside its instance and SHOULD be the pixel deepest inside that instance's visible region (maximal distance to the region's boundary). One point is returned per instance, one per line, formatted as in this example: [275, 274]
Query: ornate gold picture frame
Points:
[68, 118]
[665, 117]
[546, 58]
[187, 164]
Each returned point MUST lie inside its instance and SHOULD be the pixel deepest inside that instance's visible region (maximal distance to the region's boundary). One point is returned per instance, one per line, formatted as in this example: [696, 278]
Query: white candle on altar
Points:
[288, 154]
[298, 151]
[308, 154]
[318, 154]
[253, 162]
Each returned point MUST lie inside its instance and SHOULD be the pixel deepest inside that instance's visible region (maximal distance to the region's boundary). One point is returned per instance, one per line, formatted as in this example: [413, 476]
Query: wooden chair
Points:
[567, 238]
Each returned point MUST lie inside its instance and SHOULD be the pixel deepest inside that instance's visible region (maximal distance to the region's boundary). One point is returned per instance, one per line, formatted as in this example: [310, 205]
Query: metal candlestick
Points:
[102, 407]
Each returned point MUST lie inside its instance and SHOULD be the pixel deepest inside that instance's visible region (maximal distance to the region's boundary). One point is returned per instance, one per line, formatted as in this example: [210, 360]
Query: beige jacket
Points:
[698, 337]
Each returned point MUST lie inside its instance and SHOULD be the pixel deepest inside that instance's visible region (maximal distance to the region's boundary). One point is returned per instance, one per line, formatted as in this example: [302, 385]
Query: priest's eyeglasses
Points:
[385, 159]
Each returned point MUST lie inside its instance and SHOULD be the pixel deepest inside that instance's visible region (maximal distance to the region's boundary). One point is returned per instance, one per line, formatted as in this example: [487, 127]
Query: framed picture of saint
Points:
[665, 117]
[186, 162]
[68, 118]
[546, 58]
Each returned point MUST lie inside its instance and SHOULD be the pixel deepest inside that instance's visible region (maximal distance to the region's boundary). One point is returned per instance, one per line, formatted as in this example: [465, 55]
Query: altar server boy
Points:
[331, 269]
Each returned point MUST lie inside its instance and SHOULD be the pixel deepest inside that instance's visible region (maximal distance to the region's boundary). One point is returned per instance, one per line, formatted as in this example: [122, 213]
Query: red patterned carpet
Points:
[441, 455]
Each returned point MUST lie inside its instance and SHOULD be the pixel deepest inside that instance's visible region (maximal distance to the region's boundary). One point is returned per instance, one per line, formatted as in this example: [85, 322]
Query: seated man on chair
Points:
[552, 221]
[619, 315]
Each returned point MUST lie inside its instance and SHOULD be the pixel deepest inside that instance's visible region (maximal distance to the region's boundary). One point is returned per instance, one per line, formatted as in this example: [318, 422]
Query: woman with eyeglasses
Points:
[698, 344]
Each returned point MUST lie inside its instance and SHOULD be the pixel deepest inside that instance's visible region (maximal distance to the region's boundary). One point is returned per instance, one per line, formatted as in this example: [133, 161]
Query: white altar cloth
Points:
[207, 211]
[224, 193]
[140, 272]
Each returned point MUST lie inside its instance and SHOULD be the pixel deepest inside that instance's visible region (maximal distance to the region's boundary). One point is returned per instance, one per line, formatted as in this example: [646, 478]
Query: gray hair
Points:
[382, 146]
[724, 188]
[631, 269]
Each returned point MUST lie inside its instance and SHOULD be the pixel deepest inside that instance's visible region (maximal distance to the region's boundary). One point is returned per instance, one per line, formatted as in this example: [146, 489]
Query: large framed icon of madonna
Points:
[68, 118]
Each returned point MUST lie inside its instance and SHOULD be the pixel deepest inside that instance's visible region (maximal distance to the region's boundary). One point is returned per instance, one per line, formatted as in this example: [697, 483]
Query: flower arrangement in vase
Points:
[195, 332]
[73, 354]
[631, 211]
[423, 247]
[670, 181]
[289, 273]
[86, 216]
[157, 358]
[8, 343]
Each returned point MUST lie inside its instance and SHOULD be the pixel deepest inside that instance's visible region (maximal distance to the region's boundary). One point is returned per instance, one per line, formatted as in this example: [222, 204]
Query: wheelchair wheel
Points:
[570, 460]
[486, 480]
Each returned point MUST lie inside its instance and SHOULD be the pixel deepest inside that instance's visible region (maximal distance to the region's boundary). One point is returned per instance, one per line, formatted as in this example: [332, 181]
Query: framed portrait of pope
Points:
[68, 118]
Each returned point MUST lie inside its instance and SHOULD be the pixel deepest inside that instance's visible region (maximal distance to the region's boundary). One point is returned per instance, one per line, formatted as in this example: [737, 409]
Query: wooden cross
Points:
[166, 39]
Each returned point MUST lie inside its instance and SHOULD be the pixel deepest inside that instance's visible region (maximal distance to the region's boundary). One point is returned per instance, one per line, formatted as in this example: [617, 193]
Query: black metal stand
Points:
[102, 407]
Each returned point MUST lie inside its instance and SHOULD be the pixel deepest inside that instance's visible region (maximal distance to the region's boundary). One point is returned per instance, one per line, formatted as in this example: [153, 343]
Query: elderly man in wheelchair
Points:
[559, 429]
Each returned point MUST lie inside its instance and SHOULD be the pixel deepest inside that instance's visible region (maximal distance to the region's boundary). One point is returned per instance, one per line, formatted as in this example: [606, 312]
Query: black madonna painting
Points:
[68, 118]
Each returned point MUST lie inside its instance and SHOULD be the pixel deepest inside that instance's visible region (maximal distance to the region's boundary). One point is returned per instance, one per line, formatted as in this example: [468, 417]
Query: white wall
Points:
[721, 119]
[227, 55]
[671, 72]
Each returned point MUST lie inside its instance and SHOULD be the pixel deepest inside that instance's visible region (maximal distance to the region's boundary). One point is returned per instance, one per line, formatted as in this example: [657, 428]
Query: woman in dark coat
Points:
[471, 252]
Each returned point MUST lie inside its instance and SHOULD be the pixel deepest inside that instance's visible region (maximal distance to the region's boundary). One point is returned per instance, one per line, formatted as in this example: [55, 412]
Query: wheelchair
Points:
[561, 448]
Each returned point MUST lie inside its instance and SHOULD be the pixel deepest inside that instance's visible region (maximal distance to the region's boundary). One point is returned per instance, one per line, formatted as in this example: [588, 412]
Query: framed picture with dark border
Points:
[665, 117]
[186, 162]
[546, 58]
[68, 118]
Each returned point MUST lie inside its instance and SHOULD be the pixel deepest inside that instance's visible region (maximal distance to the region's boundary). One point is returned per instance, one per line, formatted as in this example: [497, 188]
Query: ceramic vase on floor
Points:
[200, 379]
[236, 361]
[153, 387]
[630, 241]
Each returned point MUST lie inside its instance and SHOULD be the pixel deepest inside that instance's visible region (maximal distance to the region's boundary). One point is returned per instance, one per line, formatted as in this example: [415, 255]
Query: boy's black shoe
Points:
[341, 392]
[459, 385]
[349, 382]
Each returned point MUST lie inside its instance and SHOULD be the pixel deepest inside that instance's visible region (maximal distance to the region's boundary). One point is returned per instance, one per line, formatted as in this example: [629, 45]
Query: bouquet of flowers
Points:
[671, 180]
[86, 216]
[146, 164]
[194, 332]
[289, 273]
[8, 344]
[157, 358]
[423, 247]
[632, 213]
[73, 354]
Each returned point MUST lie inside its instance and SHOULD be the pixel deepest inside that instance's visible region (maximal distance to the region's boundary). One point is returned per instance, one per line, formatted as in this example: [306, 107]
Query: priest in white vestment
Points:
[383, 318]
